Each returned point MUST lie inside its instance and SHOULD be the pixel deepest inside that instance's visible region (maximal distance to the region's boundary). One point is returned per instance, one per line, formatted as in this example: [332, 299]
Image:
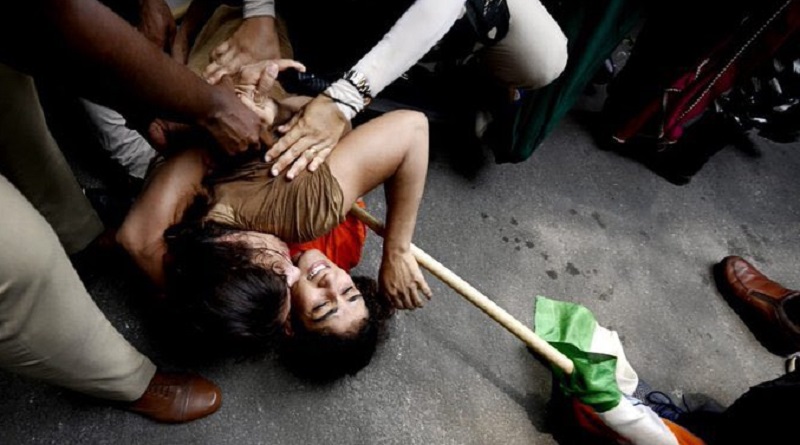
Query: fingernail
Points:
[274, 172]
[267, 158]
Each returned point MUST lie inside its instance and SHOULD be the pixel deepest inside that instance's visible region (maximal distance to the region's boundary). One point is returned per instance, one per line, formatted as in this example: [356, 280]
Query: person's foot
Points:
[770, 309]
[662, 404]
[176, 398]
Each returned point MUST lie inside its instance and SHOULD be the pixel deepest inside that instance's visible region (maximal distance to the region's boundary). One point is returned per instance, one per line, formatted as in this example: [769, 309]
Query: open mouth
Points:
[316, 268]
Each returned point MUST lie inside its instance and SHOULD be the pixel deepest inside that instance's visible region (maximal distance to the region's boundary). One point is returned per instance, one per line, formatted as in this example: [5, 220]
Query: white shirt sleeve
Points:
[258, 8]
[414, 34]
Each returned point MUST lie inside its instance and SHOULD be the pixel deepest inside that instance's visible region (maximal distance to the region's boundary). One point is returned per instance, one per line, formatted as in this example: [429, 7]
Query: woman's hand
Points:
[308, 138]
[401, 280]
[254, 41]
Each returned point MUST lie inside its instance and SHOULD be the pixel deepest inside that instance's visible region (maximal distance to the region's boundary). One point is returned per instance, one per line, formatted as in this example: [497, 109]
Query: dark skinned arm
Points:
[94, 51]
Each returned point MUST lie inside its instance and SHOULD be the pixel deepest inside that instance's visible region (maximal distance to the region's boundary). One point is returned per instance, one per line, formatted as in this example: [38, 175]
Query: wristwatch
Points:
[359, 80]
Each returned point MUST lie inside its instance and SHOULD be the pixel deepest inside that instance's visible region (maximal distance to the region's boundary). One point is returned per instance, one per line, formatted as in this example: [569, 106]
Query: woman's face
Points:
[324, 297]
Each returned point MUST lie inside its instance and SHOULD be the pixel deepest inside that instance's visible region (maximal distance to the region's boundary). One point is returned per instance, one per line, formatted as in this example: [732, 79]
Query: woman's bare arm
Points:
[170, 190]
[392, 150]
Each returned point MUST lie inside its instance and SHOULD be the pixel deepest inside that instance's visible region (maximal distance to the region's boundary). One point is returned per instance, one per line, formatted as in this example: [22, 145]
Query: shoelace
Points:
[663, 405]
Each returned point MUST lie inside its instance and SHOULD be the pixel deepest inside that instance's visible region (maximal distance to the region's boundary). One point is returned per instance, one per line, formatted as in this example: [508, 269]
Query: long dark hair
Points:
[325, 357]
[215, 286]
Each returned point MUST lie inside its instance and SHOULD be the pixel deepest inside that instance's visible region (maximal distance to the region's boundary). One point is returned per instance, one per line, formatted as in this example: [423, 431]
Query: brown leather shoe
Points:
[765, 303]
[176, 398]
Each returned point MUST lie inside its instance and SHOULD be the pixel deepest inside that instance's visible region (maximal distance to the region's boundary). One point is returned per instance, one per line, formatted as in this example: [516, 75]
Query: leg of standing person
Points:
[31, 160]
[50, 328]
[533, 53]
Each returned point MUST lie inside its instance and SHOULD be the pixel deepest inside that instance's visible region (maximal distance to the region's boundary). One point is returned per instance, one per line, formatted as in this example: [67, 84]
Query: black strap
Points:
[489, 18]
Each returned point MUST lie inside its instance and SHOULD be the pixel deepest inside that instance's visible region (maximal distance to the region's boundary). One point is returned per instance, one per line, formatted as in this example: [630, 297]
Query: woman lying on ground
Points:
[224, 256]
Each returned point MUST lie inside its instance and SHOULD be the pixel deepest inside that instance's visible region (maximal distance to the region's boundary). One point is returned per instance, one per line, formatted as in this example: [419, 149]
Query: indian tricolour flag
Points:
[601, 386]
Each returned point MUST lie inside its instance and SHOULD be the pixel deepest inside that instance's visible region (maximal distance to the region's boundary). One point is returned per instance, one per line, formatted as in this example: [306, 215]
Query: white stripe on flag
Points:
[638, 424]
[607, 342]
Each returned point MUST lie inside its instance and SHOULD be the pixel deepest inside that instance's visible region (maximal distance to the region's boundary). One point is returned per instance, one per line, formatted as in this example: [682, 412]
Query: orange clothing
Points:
[343, 245]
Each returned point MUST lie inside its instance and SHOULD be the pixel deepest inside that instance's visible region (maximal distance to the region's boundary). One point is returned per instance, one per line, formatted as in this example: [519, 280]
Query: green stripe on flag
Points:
[570, 328]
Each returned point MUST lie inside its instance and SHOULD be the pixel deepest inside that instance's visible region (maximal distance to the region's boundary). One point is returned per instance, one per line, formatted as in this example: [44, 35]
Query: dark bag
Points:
[641, 108]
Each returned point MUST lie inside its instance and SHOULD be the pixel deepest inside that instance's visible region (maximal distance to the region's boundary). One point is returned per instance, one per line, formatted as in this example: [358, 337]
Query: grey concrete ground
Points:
[573, 223]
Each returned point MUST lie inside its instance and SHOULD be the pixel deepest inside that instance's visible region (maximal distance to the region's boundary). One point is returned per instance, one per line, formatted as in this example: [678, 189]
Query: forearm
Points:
[403, 195]
[105, 46]
[197, 14]
[143, 240]
[257, 39]
[414, 34]
[170, 190]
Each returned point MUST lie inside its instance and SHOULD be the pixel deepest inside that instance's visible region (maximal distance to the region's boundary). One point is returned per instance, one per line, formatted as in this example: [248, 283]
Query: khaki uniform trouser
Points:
[50, 328]
[533, 53]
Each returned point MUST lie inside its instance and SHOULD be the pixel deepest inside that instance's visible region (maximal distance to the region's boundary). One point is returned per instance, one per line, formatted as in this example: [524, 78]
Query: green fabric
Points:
[569, 328]
[594, 28]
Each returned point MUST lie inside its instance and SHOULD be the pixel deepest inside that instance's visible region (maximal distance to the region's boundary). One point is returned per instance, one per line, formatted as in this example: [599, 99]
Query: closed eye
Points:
[327, 315]
[351, 289]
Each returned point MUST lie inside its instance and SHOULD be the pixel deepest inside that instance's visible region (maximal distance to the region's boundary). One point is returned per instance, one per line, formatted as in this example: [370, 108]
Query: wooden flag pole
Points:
[475, 297]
